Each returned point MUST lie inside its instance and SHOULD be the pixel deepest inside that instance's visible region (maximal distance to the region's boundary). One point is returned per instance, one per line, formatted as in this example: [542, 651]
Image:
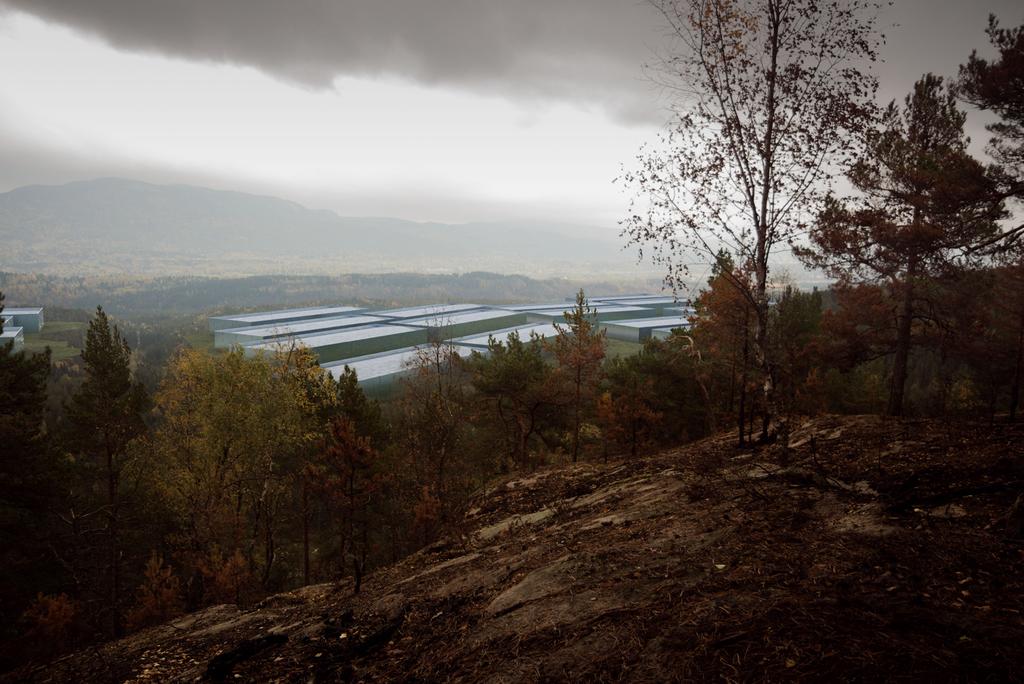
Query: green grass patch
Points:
[52, 327]
[60, 350]
[56, 335]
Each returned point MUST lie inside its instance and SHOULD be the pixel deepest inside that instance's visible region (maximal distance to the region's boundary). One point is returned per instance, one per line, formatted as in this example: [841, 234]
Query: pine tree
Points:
[723, 329]
[22, 404]
[579, 349]
[626, 408]
[516, 380]
[998, 86]
[27, 482]
[344, 473]
[365, 413]
[923, 205]
[104, 416]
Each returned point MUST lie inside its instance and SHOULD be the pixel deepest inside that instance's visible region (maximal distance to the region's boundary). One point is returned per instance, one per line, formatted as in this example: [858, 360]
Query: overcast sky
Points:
[447, 110]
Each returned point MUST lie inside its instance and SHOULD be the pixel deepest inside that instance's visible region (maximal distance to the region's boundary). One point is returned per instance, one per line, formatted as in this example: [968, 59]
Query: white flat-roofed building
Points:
[378, 373]
[265, 318]
[349, 342]
[558, 306]
[600, 312]
[30, 318]
[259, 333]
[660, 304]
[427, 311]
[638, 299]
[640, 330]
[446, 326]
[526, 332]
[665, 333]
[15, 335]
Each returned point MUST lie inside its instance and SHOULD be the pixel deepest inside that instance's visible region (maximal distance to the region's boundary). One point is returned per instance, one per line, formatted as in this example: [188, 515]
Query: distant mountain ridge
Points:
[107, 217]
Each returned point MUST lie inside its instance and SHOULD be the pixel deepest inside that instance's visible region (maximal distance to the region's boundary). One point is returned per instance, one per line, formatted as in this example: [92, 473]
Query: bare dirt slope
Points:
[872, 550]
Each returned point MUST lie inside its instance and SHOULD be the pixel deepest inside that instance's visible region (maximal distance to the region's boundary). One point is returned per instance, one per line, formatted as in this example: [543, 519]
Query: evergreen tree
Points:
[344, 472]
[923, 205]
[579, 349]
[627, 408]
[433, 446]
[517, 380]
[998, 86]
[796, 337]
[22, 404]
[723, 329]
[27, 477]
[365, 413]
[104, 416]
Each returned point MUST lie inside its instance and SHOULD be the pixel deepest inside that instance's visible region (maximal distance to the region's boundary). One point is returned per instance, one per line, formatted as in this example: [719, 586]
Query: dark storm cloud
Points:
[584, 50]
[588, 51]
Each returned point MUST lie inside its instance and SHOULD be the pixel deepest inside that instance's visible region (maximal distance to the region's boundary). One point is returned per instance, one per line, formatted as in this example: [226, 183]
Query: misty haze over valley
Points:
[114, 227]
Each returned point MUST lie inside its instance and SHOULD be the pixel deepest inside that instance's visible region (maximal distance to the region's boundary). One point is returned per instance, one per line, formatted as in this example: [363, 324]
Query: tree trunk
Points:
[305, 534]
[115, 551]
[576, 419]
[743, 388]
[903, 330]
[269, 550]
[1015, 389]
[359, 560]
[763, 354]
[764, 357]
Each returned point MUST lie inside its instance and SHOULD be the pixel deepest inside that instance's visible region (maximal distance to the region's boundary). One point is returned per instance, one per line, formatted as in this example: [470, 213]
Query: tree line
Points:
[776, 103]
[244, 476]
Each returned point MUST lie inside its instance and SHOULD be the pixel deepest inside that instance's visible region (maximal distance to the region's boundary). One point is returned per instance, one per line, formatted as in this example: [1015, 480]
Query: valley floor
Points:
[873, 549]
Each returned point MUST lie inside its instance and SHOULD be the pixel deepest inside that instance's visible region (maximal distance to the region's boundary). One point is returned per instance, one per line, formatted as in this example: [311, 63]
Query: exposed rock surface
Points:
[879, 550]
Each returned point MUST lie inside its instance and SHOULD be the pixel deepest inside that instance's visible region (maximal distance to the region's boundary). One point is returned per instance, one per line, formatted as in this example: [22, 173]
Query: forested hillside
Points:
[871, 548]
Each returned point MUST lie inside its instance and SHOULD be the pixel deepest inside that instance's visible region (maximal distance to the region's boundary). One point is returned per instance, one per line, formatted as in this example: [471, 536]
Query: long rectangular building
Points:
[640, 330]
[681, 310]
[378, 373]
[428, 311]
[638, 299]
[15, 335]
[259, 333]
[446, 326]
[525, 332]
[601, 312]
[559, 306]
[28, 317]
[349, 342]
[265, 318]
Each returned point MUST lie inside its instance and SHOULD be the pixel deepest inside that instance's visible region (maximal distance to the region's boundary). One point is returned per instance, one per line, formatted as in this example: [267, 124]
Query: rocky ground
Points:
[871, 550]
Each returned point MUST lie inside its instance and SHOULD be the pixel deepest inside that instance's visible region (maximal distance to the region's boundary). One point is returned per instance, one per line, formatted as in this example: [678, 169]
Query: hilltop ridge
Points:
[872, 549]
[86, 227]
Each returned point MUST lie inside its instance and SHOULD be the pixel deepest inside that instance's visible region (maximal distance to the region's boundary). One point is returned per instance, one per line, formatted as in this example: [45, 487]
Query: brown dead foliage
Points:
[872, 549]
